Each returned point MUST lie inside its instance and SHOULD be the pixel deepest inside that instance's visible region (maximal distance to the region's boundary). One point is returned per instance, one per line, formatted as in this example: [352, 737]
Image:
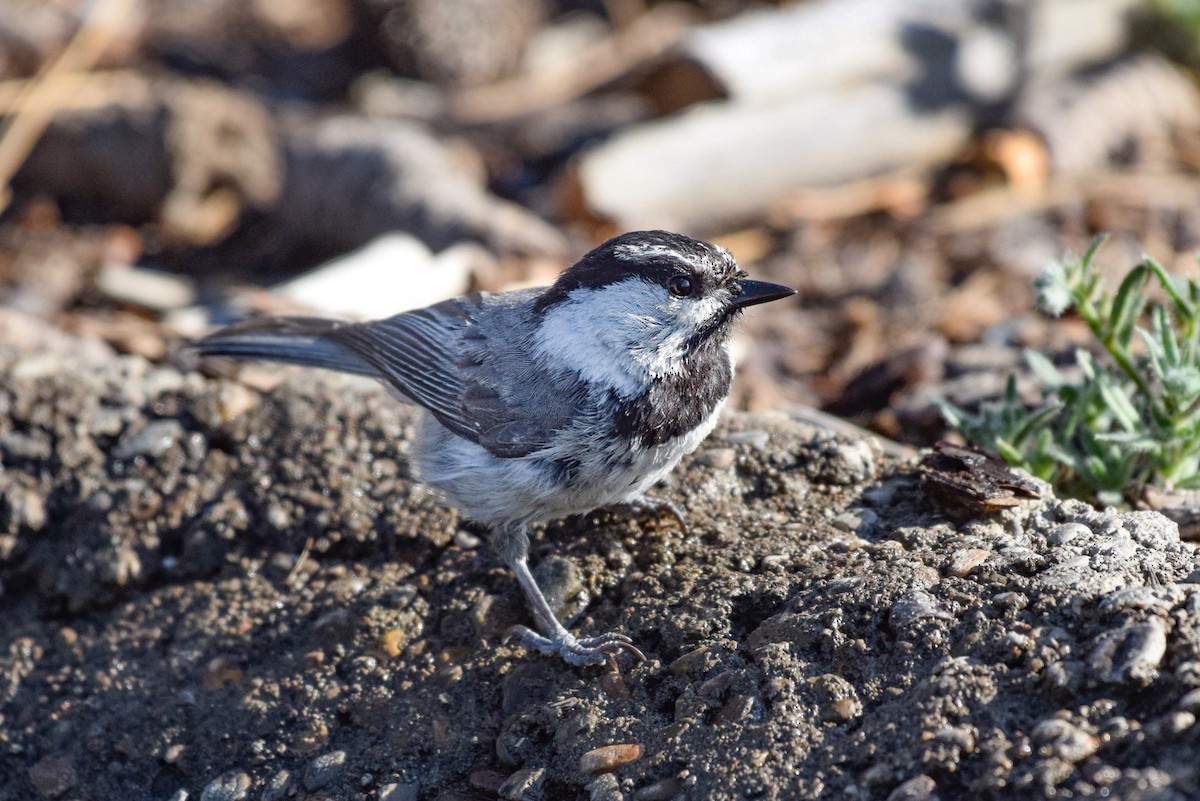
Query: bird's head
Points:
[655, 295]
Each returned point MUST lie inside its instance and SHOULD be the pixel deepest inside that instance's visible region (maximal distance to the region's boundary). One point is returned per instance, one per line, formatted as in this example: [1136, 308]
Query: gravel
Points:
[263, 602]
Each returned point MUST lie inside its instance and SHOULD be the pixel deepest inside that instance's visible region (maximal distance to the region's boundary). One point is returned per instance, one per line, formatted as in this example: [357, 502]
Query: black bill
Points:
[755, 292]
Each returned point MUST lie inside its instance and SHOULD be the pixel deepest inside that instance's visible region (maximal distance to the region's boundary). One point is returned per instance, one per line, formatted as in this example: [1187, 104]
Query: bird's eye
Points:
[680, 285]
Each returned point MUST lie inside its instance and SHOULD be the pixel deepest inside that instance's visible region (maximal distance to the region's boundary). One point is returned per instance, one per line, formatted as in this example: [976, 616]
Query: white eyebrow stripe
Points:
[640, 251]
[719, 261]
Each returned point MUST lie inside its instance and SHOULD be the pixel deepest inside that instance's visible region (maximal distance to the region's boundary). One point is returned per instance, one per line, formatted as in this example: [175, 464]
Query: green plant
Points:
[1130, 419]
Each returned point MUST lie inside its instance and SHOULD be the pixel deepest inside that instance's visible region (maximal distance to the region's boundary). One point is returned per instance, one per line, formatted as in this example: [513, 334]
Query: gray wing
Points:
[420, 354]
[470, 363]
[465, 360]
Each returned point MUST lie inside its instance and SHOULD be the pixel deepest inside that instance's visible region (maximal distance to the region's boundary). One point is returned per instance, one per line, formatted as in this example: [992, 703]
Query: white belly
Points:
[494, 490]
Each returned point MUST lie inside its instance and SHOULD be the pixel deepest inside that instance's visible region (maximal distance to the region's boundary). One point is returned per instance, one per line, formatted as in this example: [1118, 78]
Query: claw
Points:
[589, 651]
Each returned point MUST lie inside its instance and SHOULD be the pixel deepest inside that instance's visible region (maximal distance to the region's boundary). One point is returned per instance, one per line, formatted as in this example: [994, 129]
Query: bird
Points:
[548, 402]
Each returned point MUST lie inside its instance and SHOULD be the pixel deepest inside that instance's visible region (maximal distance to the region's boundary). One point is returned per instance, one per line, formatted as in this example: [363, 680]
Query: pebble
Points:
[752, 437]
[964, 560]
[694, 661]
[741, 707]
[615, 687]
[147, 289]
[837, 700]
[234, 400]
[399, 791]
[717, 458]
[18, 445]
[913, 606]
[229, 786]
[1061, 535]
[560, 582]
[604, 787]
[26, 508]
[52, 776]
[608, 758]
[1132, 654]
[154, 439]
[859, 521]
[179, 795]
[1190, 702]
[279, 786]
[1064, 740]
[527, 784]
[466, 540]
[918, 788]
[849, 463]
[392, 642]
[663, 790]
[324, 770]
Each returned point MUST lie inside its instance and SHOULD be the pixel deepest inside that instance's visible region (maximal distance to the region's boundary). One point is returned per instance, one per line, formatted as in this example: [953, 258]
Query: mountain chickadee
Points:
[548, 402]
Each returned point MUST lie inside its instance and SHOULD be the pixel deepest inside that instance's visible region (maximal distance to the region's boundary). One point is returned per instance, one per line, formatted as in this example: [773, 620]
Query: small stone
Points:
[918, 788]
[154, 439]
[717, 458]
[229, 786]
[1061, 535]
[1063, 740]
[559, 581]
[849, 462]
[527, 784]
[604, 787]
[392, 642]
[234, 400]
[179, 795]
[466, 540]
[964, 560]
[915, 605]
[1131, 654]
[694, 661]
[608, 758]
[752, 437]
[52, 776]
[324, 770]
[26, 508]
[344, 589]
[279, 786]
[663, 790]
[837, 700]
[847, 521]
[1190, 702]
[741, 707]
[399, 791]
[615, 687]
[148, 289]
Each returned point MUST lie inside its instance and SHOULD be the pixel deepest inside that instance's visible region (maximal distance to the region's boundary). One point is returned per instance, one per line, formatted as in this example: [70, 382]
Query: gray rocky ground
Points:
[823, 631]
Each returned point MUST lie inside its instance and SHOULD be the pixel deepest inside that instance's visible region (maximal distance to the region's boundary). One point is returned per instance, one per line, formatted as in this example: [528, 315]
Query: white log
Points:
[725, 162]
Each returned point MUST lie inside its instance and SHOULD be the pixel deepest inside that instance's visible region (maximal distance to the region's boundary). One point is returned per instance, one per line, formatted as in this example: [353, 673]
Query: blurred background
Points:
[909, 165]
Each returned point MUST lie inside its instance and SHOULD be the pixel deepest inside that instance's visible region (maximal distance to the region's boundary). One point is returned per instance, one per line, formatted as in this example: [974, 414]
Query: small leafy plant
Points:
[1128, 420]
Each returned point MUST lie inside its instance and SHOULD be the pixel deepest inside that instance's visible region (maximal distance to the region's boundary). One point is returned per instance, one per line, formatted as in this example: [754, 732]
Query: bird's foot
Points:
[587, 651]
[644, 508]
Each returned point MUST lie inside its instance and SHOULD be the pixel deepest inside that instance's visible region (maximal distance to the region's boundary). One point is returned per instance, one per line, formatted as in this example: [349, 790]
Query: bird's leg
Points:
[644, 507]
[551, 637]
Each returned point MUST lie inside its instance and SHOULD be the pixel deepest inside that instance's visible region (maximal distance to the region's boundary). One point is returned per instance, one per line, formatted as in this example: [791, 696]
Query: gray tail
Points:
[291, 340]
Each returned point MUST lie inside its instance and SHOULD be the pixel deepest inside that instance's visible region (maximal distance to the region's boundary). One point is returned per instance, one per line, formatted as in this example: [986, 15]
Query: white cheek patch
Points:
[595, 330]
[624, 334]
